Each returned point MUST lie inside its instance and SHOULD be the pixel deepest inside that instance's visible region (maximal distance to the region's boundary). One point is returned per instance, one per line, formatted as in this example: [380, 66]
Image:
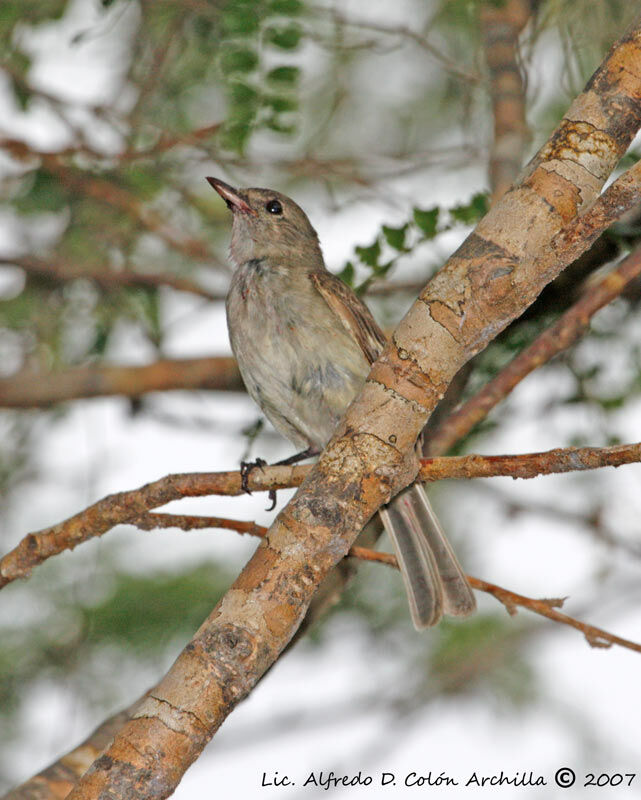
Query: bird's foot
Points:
[246, 468]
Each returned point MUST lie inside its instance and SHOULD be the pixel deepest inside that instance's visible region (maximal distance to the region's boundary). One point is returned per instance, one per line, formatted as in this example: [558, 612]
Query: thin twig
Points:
[111, 195]
[127, 507]
[596, 637]
[168, 142]
[108, 278]
[190, 522]
[451, 65]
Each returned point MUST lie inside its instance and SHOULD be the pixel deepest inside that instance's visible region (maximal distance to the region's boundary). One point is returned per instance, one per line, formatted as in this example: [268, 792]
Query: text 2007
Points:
[605, 779]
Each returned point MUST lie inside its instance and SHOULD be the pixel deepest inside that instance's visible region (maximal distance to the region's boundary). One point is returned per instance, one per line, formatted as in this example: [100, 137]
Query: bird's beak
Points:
[235, 201]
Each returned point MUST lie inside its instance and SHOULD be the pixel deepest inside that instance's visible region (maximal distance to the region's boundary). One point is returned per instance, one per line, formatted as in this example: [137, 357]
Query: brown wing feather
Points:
[352, 312]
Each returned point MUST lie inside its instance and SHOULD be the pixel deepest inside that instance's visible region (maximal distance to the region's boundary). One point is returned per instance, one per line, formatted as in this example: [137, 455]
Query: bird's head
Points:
[269, 225]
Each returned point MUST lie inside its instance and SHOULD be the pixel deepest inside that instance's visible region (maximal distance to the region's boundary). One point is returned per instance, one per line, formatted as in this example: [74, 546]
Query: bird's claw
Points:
[272, 498]
[245, 469]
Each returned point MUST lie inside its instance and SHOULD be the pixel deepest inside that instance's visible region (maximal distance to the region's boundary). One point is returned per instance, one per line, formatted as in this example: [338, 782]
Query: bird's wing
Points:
[352, 312]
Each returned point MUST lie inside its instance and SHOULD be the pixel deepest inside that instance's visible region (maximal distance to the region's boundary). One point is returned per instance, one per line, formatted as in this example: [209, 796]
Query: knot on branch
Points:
[229, 642]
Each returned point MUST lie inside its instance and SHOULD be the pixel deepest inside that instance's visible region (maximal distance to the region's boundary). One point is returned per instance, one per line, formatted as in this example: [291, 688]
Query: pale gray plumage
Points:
[304, 343]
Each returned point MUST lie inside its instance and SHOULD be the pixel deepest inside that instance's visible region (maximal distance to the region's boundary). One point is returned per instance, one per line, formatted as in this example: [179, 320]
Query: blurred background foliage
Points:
[105, 214]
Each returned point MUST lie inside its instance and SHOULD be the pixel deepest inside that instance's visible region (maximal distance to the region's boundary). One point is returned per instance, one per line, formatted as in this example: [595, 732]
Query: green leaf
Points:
[144, 182]
[274, 124]
[144, 307]
[283, 75]
[42, 11]
[395, 237]
[473, 211]
[19, 61]
[240, 19]
[20, 311]
[241, 116]
[347, 274]
[238, 59]
[285, 37]
[381, 270]
[234, 136]
[45, 194]
[243, 94]
[288, 8]
[20, 64]
[369, 255]
[204, 28]
[102, 331]
[21, 93]
[427, 221]
[280, 103]
[12, 12]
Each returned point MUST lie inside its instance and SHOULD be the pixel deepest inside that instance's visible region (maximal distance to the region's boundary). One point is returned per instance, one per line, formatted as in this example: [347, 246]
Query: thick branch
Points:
[62, 775]
[567, 330]
[30, 389]
[132, 506]
[58, 779]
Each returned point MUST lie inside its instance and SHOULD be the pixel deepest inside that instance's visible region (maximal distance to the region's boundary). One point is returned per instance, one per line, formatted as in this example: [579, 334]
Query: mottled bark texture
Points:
[58, 779]
[567, 330]
[488, 282]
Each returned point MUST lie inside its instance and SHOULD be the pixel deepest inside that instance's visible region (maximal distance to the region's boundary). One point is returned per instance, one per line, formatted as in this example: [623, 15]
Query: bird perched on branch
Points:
[304, 343]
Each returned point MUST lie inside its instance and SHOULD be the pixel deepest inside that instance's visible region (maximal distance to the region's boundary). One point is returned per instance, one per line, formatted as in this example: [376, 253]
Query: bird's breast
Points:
[296, 359]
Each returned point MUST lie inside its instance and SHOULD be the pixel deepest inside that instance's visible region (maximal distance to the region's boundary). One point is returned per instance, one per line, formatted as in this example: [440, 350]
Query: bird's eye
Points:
[274, 207]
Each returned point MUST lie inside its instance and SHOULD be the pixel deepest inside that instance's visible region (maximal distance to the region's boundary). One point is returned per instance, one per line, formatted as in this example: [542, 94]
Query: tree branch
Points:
[596, 637]
[501, 25]
[190, 522]
[107, 278]
[567, 330]
[110, 194]
[30, 389]
[131, 507]
[168, 142]
[62, 775]
[58, 779]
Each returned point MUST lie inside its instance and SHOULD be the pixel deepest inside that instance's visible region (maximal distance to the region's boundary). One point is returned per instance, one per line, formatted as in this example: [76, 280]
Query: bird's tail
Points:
[433, 578]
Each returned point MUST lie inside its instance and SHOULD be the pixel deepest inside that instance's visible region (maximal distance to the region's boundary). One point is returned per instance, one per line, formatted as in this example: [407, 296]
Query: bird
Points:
[304, 343]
